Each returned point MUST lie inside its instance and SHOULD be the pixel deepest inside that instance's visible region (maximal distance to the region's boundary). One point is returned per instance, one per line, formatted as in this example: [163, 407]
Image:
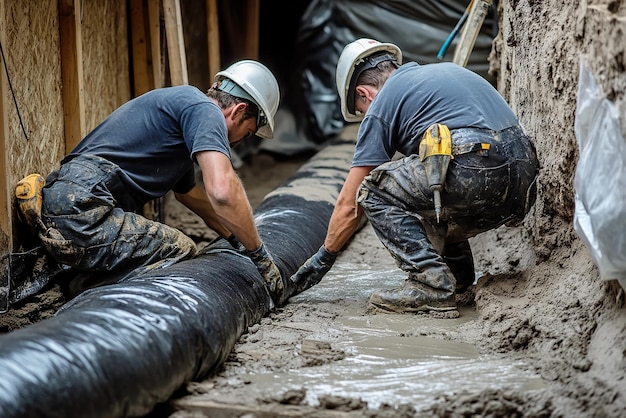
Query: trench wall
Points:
[536, 58]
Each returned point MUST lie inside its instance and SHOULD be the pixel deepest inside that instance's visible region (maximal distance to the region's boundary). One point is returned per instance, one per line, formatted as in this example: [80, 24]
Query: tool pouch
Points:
[437, 140]
[435, 152]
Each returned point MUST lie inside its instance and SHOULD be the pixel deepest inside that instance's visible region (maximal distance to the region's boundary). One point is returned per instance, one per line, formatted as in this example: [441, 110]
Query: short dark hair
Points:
[372, 70]
[225, 100]
[376, 76]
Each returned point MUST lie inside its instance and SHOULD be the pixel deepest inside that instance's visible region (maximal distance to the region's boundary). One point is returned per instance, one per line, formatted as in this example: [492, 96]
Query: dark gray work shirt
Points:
[415, 97]
[153, 139]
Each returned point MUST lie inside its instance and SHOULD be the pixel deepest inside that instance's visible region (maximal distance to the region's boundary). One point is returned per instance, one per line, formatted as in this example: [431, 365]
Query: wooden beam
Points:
[154, 29]
[251, 47]
[143, 76]
[6, 212]
[470, 31]
[213, 33]
[175, 42]
[72, 72]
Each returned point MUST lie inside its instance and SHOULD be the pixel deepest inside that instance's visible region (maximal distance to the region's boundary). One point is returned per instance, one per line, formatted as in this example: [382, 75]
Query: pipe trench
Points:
[119, 350]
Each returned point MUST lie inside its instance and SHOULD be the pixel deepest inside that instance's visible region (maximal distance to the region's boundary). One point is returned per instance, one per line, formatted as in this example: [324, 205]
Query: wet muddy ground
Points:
[533, 339]
[519, 347]
[327, 351]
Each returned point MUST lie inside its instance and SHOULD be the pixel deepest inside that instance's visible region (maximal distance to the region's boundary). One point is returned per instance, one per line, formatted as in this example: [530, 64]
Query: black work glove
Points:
[312, 271]
[264, 263]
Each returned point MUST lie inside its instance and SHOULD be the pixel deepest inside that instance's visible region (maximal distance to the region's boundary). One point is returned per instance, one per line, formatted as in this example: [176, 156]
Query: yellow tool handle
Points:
[437, 140]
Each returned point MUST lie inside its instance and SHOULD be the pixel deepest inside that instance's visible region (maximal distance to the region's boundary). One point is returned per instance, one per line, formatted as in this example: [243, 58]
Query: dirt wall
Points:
[536, 56]
[553, 305]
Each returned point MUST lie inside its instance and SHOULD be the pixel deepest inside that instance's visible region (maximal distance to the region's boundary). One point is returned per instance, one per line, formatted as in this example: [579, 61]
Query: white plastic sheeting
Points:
[600, 182]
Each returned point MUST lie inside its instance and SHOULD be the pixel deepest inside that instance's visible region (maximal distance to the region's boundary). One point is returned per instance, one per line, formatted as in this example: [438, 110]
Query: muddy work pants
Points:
[483, 190]
[88, 230]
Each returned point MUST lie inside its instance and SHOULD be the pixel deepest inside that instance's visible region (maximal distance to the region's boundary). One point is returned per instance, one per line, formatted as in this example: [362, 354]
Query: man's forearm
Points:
[198, 203]
[235, 214]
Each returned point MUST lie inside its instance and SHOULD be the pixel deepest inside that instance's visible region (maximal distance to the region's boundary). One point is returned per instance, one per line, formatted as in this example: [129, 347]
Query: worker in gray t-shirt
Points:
[147, 147]
[467, 167]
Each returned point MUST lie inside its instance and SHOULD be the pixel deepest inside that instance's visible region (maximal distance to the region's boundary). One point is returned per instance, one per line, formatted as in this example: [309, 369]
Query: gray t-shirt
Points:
[415, 97]
[153, 139]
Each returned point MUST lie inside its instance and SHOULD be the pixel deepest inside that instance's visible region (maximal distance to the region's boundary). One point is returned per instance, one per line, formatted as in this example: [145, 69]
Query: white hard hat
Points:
[253, 81]
[353, 55]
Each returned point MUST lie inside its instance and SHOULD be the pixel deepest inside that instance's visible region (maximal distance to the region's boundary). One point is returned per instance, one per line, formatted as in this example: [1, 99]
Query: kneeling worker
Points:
[140, 152]
[468, 167]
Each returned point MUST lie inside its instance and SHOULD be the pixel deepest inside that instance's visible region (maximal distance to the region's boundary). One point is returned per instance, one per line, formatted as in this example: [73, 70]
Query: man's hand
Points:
[264, 263]
[312, 271]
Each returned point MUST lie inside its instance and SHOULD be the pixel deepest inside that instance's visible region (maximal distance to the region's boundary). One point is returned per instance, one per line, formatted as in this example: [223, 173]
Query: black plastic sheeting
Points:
[119, 350]
[418, 27]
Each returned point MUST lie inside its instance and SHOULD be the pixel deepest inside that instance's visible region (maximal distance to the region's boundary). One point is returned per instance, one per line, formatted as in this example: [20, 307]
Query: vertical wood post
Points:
[146, 45]
[154, 29]
[470, 31]
[72, 72]
[251, 47]
[175, 42]
[213, 34]
[6, 214]
[143, 77]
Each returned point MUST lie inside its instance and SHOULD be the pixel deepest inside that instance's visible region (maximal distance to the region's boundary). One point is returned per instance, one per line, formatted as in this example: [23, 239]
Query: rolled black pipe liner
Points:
[119, 350]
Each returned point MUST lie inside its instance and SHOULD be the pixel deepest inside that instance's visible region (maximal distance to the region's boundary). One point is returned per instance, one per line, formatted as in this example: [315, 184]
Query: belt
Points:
[481, 148]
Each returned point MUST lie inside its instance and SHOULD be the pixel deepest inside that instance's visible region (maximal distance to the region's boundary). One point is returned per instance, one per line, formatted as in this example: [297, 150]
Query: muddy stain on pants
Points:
[87, 229]
[482, 192]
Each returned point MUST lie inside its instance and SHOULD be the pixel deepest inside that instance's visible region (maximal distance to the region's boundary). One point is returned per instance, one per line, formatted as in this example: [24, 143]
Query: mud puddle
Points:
[390, 358]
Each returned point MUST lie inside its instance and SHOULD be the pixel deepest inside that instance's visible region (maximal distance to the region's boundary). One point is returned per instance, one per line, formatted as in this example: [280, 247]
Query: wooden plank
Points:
[175, 42]
[154, 29]
[470, 31]
[147, 67]
[140, 48]
[72, 72]
[251, 46]
[155, 209]
[6, 213]
[213, 33]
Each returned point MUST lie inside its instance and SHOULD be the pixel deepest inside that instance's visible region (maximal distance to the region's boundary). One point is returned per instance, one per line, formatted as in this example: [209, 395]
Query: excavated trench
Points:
[122, 349]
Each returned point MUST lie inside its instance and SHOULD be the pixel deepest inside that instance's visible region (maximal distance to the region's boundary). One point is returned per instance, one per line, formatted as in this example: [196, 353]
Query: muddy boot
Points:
[458, 256]
[415, 295]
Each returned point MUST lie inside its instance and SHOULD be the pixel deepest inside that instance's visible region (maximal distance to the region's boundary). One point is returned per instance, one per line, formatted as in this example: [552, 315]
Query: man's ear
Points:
[236, 110]
[361, 93]
[365, 93]
[240, 108]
